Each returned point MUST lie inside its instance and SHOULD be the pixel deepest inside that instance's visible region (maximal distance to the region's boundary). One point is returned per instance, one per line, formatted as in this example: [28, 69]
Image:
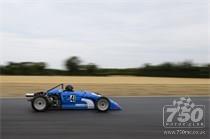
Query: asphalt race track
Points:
[141, 118]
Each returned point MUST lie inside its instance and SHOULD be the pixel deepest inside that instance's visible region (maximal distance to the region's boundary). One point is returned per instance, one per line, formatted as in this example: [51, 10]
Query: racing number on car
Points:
[72, 98]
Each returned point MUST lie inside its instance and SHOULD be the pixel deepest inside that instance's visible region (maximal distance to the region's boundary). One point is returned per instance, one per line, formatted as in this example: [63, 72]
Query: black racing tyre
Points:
[40, 103]
[102, 104]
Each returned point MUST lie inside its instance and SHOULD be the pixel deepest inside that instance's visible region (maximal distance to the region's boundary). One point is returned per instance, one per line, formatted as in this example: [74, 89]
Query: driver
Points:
[69, 88]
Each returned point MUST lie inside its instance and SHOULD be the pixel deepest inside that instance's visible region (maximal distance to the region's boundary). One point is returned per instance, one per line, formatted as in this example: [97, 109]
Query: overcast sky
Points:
[110, 33]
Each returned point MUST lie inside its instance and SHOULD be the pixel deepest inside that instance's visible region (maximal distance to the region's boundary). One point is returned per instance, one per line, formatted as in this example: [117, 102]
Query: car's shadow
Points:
[78, 111]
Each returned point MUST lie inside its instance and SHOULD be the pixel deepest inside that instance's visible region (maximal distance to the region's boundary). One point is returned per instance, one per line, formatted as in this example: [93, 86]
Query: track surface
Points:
[141, 117]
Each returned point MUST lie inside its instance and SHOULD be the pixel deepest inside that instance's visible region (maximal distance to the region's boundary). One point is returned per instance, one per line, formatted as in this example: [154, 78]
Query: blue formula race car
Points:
[60, 98]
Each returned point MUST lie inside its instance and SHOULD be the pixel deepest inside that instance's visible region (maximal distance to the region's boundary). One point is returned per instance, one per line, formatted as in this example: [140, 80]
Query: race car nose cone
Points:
[114, 105]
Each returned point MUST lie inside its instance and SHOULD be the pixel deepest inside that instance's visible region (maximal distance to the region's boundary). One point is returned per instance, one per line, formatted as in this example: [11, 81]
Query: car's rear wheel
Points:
[40, 103]
[103, 104]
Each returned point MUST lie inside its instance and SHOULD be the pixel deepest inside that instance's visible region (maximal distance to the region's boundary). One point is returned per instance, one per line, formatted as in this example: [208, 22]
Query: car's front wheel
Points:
[103, 104]
[40, 103]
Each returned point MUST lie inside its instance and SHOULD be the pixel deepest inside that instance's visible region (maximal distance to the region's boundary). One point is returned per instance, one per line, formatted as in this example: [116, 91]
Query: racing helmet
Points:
[69, 88]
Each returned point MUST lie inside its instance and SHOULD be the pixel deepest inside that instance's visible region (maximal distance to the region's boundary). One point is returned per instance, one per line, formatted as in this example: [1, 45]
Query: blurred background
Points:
[147, 38]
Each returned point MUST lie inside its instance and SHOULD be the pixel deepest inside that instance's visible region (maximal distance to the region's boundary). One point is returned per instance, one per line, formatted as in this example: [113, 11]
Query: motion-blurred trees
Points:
[24, 68]
[74, 67]
[91, 68]
[73, 64]
[169, 69]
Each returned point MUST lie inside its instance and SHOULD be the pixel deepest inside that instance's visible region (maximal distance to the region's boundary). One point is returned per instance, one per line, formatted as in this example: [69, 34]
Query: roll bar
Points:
[62, 87]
